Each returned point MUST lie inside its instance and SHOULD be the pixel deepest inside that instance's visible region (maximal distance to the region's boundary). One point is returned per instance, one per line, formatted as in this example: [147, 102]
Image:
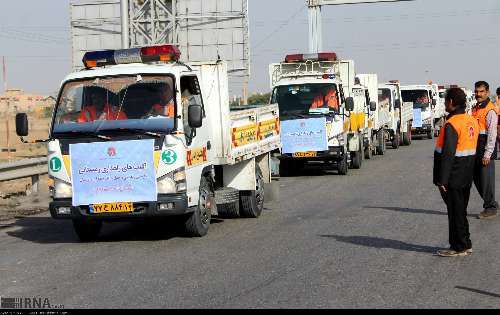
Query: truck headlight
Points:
[174, 182]
[62, 189]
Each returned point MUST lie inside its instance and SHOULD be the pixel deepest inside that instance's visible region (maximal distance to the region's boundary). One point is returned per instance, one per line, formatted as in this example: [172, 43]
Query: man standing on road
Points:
[484, 173]
[454, 160]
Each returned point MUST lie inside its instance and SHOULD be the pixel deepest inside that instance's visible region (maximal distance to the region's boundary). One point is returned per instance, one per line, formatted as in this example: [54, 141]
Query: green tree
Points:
[259, 99]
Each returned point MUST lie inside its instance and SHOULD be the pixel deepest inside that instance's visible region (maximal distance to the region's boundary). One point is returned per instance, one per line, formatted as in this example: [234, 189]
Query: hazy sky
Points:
[448, 41]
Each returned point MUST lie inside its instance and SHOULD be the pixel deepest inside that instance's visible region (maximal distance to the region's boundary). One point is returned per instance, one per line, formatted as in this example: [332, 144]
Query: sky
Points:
[446, 41]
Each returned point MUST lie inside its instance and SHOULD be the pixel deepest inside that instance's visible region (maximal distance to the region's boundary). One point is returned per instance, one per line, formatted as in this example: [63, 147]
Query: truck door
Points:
[198, 146]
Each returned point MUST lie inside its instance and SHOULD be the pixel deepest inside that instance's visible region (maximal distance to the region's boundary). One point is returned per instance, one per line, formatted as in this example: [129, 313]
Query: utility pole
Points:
[125, 24]
[7, 107]
[315, 21]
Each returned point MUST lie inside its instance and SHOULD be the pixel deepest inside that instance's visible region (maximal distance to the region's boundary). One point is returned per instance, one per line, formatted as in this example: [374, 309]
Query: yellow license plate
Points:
[117, 207]
[305, 154]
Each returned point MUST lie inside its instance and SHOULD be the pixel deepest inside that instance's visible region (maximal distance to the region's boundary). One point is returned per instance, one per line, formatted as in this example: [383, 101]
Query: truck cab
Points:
[138, 134]
[317, 112]
[424, 99]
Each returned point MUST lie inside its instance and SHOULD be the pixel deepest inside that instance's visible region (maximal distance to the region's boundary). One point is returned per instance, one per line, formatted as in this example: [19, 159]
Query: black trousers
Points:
[456, 200]
[484, 180]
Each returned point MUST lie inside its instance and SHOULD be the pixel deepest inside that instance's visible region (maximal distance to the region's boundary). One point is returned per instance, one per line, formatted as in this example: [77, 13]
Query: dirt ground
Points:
[13, 199]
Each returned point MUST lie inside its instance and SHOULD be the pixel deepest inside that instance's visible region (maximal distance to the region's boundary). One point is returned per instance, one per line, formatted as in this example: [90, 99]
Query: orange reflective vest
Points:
[467, 130]
[318, 101]
[330, 100]
[110, 113]
[168, 110]
[88, 114]
[480, 114]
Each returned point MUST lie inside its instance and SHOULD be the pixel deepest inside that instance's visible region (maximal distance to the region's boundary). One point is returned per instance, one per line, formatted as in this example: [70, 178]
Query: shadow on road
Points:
[478, 291]
[45, 230]
[377, 242]
[417, 211]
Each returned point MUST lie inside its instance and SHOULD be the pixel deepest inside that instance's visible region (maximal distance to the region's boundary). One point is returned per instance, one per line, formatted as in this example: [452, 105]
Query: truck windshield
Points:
[305, 99]
[140, 103]
[420, 98]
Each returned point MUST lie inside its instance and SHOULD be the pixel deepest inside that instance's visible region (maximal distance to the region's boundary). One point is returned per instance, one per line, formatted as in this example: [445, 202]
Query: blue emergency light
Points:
[169, 53]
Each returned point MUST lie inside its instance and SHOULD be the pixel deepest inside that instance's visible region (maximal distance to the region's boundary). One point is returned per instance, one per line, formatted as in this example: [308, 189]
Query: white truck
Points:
[369, 82]
[139, 134]
[425, 100]
[320, 123]
[394, 117]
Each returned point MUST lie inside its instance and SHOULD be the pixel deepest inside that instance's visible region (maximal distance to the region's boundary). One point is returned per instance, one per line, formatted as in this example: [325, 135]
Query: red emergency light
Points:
[327, 56]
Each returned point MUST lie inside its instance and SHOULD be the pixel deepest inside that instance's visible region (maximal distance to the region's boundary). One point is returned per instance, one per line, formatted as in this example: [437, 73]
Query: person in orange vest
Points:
[166, 106]
[100, 110]
[454, 161]
[484, 174]
[498, 126]
[330, 99]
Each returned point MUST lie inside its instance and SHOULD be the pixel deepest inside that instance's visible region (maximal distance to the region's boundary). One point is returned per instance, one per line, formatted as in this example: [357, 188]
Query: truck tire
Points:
[368, 151]
[198, 222]
[87, 231]
[407, 136]
[357, 157]
[342, 166]
[252, 201]
[395, 140]
[430, 134]
[381, 142]
[227, 200]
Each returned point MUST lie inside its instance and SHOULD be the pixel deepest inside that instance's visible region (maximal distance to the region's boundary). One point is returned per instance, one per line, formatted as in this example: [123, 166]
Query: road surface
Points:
[365, 240]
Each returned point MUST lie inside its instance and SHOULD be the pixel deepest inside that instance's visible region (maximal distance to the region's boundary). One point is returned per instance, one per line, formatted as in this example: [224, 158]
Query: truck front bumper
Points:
[333, 154]
[176, 204]
[425, 129]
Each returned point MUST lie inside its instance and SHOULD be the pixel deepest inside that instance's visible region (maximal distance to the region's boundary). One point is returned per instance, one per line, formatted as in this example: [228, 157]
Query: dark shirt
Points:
[449, 170]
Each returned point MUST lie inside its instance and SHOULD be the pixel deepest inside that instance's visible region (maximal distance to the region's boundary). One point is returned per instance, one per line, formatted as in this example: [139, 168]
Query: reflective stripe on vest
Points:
[466, 128]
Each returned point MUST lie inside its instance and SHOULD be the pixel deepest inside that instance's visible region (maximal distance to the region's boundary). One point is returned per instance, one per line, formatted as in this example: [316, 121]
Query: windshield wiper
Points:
[134, 130]
[84, 133]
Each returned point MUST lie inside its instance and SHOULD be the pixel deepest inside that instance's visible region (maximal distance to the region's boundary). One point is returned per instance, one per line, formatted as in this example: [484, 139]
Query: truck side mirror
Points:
[373, 106]
[434, 102]
[195, 116]
[22, 124]
[349, 104]
[397, 104]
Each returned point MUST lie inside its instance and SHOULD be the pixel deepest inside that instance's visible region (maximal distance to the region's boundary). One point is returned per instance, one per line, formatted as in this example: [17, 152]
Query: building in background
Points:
[19, 101]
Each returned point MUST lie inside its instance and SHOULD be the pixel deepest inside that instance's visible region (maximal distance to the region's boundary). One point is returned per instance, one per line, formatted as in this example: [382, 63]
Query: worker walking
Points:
[484, 173]
[454, 160]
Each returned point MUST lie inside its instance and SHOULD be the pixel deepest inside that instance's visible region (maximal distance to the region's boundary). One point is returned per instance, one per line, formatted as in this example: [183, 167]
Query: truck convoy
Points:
[428, 114]
[321, 123]
[139, 134]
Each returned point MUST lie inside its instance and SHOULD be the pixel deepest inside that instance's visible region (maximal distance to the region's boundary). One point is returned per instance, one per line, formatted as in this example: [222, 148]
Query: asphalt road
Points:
[366, 240]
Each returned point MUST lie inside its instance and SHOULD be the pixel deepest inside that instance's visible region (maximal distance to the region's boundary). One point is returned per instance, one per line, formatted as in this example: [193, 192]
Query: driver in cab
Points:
[166, 105]
[326, 100]
[100, 109]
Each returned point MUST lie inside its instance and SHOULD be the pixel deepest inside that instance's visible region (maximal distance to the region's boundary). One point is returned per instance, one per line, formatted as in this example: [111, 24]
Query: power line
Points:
[280, 27]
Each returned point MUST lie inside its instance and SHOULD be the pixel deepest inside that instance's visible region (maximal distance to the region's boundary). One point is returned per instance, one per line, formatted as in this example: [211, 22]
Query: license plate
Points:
[117, 207]
[305, 154]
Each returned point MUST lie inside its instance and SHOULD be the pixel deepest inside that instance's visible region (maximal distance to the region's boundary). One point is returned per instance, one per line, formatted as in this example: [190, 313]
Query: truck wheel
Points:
[197, 224]
[430, 134]
[357, 157]
[87, 231]
[407, 136]
[343, 166]
[227, 200]
[368, 152]
[252, 201]
[381, 142]
[395, 141]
